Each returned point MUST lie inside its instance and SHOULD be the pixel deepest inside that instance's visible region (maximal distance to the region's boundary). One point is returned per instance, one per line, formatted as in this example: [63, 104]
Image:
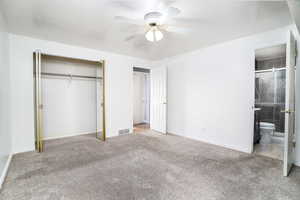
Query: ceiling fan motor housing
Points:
[153, 18]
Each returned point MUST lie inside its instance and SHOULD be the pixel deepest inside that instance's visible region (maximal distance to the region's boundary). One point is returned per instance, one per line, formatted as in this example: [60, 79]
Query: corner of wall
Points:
[5, 128]
[5, 170]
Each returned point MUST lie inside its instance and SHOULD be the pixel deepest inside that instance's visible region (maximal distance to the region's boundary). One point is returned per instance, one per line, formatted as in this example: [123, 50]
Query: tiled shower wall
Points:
[270, 92]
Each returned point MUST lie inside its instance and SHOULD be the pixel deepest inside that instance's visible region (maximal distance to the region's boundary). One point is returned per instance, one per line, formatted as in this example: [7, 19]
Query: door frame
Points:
[38, 103]
[147, 72]
[286, 111]
[253, 109]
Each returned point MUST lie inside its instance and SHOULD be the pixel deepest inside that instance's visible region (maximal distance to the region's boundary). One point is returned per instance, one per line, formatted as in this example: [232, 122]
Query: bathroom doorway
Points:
[274, 109]
[141, 99]
[270, 101]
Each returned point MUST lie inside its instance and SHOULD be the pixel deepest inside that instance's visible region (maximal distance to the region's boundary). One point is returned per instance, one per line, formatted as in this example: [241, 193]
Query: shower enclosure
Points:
[270, 87]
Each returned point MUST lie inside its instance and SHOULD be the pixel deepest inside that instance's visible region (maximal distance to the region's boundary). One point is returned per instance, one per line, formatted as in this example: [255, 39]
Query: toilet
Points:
[266, 131]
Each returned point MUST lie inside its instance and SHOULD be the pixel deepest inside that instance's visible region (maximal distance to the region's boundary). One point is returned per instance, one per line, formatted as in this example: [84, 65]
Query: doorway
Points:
[274, 132]
[141, 99]
[270, 92]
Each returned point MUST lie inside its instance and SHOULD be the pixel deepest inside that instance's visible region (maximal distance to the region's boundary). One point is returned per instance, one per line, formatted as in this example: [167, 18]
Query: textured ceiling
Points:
[92, 23]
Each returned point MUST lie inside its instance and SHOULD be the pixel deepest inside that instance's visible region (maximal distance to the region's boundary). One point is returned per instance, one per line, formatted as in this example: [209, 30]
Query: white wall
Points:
[118, 86]
[70, 104]
[211, 91]
[5, 137]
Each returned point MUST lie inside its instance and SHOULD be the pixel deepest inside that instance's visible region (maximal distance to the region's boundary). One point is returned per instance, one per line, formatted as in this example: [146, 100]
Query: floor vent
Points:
[123, 131]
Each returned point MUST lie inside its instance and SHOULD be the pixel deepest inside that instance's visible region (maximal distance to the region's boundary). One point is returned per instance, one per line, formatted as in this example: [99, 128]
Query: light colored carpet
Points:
[145, 166]
[270, 150]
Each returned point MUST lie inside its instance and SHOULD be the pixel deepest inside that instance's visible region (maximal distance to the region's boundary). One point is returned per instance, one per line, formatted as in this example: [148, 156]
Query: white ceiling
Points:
[91, 23]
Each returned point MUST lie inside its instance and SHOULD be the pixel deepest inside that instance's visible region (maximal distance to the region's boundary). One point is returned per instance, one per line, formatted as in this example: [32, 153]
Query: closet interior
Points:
[69, 98]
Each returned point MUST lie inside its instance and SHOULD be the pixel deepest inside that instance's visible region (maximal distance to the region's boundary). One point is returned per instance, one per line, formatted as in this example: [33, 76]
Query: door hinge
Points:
[296, 49]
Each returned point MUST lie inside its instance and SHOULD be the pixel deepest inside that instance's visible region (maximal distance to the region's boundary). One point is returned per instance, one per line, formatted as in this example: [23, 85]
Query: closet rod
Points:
[70, 75]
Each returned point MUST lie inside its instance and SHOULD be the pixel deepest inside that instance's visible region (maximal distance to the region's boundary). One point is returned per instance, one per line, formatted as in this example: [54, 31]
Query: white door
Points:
[158, 99]
[290, 105]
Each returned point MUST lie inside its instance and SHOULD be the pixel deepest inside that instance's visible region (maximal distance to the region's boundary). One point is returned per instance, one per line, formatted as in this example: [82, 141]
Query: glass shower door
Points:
[270, 97]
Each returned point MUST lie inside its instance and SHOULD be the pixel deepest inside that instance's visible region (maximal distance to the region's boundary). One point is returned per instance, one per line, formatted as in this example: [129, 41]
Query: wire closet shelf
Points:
[70, 75]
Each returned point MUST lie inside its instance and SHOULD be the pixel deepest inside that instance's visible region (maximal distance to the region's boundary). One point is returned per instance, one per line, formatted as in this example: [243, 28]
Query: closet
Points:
[69, 98]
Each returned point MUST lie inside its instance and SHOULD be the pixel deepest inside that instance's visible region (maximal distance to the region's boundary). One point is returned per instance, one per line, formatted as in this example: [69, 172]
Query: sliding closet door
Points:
[38, 103]
[69, 98]
[100, 87]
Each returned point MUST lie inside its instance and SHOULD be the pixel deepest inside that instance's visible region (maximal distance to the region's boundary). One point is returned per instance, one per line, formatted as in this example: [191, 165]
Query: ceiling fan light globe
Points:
[154, 35]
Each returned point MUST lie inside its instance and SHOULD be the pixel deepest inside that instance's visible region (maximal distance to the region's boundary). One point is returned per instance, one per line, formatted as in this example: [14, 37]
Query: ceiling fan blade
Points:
[128, 20]
[163, 26]
[132, 37]
[163, 4]
[174, 29]
[190, 21]
[167, 9]
[138, 41]
[172, 11]
[132, 28]
[129, 5]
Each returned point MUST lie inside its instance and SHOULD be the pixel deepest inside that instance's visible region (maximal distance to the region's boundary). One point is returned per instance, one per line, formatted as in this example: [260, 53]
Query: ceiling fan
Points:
[156, 22]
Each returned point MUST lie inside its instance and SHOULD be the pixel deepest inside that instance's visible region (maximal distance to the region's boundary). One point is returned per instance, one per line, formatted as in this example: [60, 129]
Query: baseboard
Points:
[5, 170]
[69, 135]
[208, 142]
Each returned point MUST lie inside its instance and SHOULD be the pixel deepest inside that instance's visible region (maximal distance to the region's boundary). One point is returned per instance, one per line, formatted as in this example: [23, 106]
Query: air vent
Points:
[124, 131]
